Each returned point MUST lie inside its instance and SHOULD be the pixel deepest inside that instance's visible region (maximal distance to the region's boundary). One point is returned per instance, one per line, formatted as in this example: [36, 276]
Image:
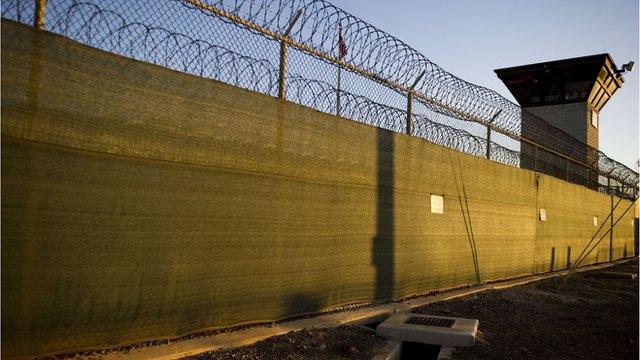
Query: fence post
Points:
[410, 103]
[38, 18]
[611, 225]
[409, 111]
[338, 92]
[283, 69]
[283, 57]
[493, 118]
[488, 142]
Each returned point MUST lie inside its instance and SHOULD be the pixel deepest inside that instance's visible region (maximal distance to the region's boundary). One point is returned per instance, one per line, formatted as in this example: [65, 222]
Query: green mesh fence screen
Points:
[140, 203]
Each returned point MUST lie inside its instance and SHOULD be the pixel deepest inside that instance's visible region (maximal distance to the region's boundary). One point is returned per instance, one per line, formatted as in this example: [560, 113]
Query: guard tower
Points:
[568, 94]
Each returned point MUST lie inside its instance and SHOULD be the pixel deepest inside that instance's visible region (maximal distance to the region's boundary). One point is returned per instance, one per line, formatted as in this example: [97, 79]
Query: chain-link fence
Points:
[314, 54]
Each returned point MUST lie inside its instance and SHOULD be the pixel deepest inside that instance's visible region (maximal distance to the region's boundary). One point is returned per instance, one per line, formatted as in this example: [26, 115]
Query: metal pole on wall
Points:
[283, 69]
[488, 142]
[38, 18]
[342, 52]
[283, 57]
[535, 158]
[409, 112]
[493, 118]
[566, 168]
[611, 222]
[410, 102]
[338, 94]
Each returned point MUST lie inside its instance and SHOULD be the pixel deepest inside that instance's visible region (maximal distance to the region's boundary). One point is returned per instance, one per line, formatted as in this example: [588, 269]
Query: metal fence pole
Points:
[283, 69]
[611, 231]
[488, 142]
[38, 18]
[410, 103]
[493, 118]
[338, 93]
[283, 58]
[409, 112]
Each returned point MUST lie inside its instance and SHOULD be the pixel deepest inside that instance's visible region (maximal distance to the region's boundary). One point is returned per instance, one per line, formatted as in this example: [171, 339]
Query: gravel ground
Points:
[345, 342]
[593, 316]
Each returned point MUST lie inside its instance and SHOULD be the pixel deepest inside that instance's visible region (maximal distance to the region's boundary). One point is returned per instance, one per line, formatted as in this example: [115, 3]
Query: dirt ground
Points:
[344, 342]
[593, 316]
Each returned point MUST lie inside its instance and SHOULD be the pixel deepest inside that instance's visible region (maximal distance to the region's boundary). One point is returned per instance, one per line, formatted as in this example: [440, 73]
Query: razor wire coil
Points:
[237, 41]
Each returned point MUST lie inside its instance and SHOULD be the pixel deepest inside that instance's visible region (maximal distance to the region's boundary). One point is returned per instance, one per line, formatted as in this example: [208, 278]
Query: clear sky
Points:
[470, 38]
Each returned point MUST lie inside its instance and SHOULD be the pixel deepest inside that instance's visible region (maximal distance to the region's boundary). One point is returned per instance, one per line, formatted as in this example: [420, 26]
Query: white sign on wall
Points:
[595, 221]
[543, 214]
[437, 204]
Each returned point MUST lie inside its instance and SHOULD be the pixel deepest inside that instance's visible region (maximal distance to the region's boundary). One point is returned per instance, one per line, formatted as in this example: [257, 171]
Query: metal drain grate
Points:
[428, 321]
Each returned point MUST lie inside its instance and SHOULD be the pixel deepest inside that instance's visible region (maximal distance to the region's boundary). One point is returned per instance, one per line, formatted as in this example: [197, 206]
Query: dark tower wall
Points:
[574, 119]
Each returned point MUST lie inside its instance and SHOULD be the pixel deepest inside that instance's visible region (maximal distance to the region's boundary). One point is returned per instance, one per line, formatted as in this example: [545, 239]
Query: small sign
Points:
[437, 204]
[543, 214]
[595, 221]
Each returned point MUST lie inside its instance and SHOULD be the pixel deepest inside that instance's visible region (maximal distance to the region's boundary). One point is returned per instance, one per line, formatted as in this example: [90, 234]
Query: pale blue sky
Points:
[470, 38]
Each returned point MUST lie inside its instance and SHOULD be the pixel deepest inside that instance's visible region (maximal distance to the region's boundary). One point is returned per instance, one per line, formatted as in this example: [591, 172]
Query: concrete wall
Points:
[575, 119]
[140, 203]
[572, 118]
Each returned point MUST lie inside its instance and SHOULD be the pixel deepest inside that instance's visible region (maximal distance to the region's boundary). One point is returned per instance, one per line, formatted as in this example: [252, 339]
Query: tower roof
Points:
[593, 79]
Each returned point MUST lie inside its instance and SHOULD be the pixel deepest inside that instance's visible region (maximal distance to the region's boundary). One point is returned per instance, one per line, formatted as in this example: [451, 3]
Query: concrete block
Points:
[390, 352]
[462, 332]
